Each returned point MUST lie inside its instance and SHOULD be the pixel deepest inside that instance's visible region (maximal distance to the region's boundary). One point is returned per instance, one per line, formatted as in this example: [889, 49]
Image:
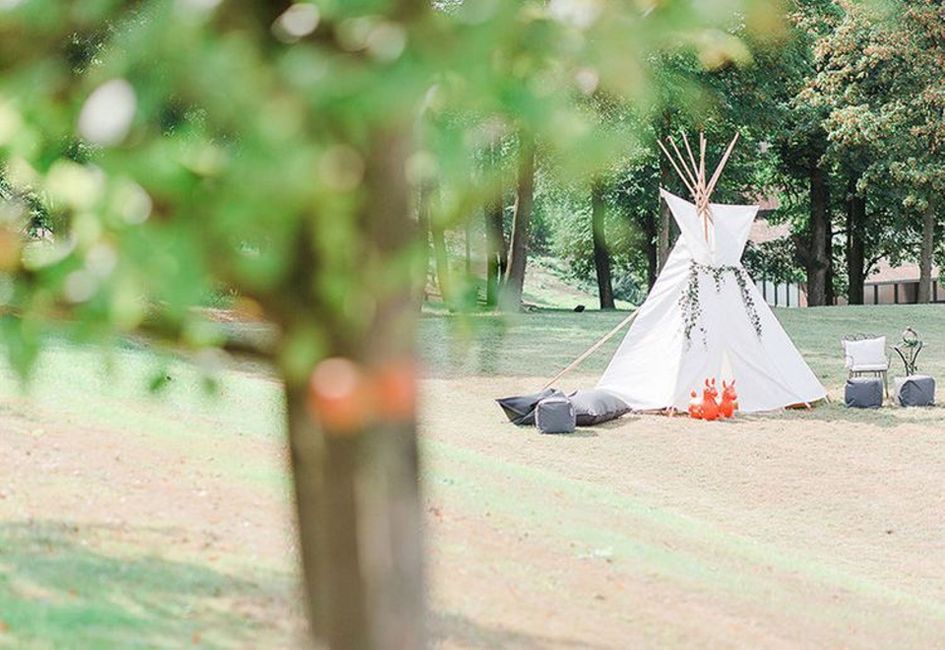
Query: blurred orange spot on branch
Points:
[344, 399]
[395, 387]
[339, 398]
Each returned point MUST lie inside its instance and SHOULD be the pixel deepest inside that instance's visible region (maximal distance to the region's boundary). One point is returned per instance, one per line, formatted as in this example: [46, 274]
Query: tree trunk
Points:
[925, 255]
[359, 521]
[667, 174]
[524, 197]
[496, 249]
[856, 250]
[652, 254]
[601, 254]
[356, 476]
[818, 264]
[829, 298]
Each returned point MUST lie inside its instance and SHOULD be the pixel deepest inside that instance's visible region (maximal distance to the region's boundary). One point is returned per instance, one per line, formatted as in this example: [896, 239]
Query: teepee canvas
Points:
[704, 317]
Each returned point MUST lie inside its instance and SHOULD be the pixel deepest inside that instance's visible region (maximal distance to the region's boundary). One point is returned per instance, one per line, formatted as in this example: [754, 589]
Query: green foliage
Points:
[773, 260]
[183, 146]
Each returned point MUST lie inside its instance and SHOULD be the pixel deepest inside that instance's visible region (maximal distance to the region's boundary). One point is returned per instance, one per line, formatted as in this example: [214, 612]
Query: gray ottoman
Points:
[915, 390]
[555, 415]
[863, 392]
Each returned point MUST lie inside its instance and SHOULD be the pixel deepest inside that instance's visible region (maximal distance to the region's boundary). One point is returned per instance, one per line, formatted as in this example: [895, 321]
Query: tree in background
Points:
[521, 217]
[497, 252]
[605, 288]
[881, 85]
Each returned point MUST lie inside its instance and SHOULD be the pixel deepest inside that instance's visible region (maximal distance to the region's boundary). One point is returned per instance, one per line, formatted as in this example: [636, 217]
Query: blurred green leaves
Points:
[186, 145]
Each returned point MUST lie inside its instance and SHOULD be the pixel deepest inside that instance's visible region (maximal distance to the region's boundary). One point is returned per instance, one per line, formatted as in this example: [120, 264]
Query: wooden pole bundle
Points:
[693, 173]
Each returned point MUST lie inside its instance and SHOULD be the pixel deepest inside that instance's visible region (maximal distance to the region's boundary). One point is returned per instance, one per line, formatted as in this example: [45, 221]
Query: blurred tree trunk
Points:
[817, 262]
[356, 486]
[926, 253]
[601, 255]
[524, 198]
[856, 250]
[665, 217]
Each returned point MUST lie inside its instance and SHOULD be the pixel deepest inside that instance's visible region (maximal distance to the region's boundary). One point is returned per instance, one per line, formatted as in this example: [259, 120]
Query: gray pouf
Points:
[555, 415]
[915, 390]
[863, 392]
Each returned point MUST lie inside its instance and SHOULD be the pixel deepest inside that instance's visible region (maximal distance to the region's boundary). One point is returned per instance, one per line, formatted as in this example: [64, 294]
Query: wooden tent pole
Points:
[676, 167]
[692, 159]
[591, 350]
[702, 207]
[702, 148]
[682, 161]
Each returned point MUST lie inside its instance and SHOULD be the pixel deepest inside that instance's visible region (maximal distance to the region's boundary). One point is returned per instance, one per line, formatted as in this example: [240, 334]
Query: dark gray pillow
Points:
[916, 390]
[863, 392]
[521, 409]
[555, 414]
[595, 406]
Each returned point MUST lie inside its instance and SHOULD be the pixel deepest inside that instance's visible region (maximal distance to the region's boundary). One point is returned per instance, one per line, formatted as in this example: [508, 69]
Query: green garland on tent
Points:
[692, 308]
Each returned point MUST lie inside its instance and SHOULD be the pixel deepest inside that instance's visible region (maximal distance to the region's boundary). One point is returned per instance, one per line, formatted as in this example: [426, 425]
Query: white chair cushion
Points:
[866, 355]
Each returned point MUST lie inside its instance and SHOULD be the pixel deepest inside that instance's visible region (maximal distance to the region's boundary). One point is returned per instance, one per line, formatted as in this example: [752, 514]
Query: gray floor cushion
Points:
[521, 409]
[595, 406]
[555, 414]
[915, 390]
[863, 392]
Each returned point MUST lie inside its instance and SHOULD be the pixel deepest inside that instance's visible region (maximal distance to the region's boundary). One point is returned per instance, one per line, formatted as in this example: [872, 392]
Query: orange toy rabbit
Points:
[729, 400]
[710, 408]
[695, 406]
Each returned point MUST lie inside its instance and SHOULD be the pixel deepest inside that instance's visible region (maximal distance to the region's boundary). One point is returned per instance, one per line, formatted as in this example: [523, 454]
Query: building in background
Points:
[895, 285]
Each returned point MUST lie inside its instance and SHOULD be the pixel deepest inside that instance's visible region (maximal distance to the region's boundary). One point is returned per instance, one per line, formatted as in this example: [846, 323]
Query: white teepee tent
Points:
[705, 318]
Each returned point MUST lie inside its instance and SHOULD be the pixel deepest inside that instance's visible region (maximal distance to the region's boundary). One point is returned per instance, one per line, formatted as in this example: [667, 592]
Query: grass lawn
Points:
[133, 520]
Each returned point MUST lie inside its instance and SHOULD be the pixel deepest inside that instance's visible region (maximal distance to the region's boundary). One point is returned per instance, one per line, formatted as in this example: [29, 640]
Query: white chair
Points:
[866, 356]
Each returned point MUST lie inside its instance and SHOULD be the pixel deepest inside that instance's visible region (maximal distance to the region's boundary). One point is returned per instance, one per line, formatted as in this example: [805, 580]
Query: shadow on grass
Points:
[458, 630]
[57, 592]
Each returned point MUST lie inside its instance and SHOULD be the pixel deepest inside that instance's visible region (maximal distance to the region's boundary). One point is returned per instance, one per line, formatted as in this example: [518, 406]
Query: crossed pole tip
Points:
[693, 173]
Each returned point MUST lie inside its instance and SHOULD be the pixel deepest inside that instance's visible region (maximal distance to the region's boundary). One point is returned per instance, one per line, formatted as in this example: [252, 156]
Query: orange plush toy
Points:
[710, 408]
[729, 400]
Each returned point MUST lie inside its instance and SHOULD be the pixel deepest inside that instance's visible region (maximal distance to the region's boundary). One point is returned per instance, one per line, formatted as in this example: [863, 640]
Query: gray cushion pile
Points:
[554, 412]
